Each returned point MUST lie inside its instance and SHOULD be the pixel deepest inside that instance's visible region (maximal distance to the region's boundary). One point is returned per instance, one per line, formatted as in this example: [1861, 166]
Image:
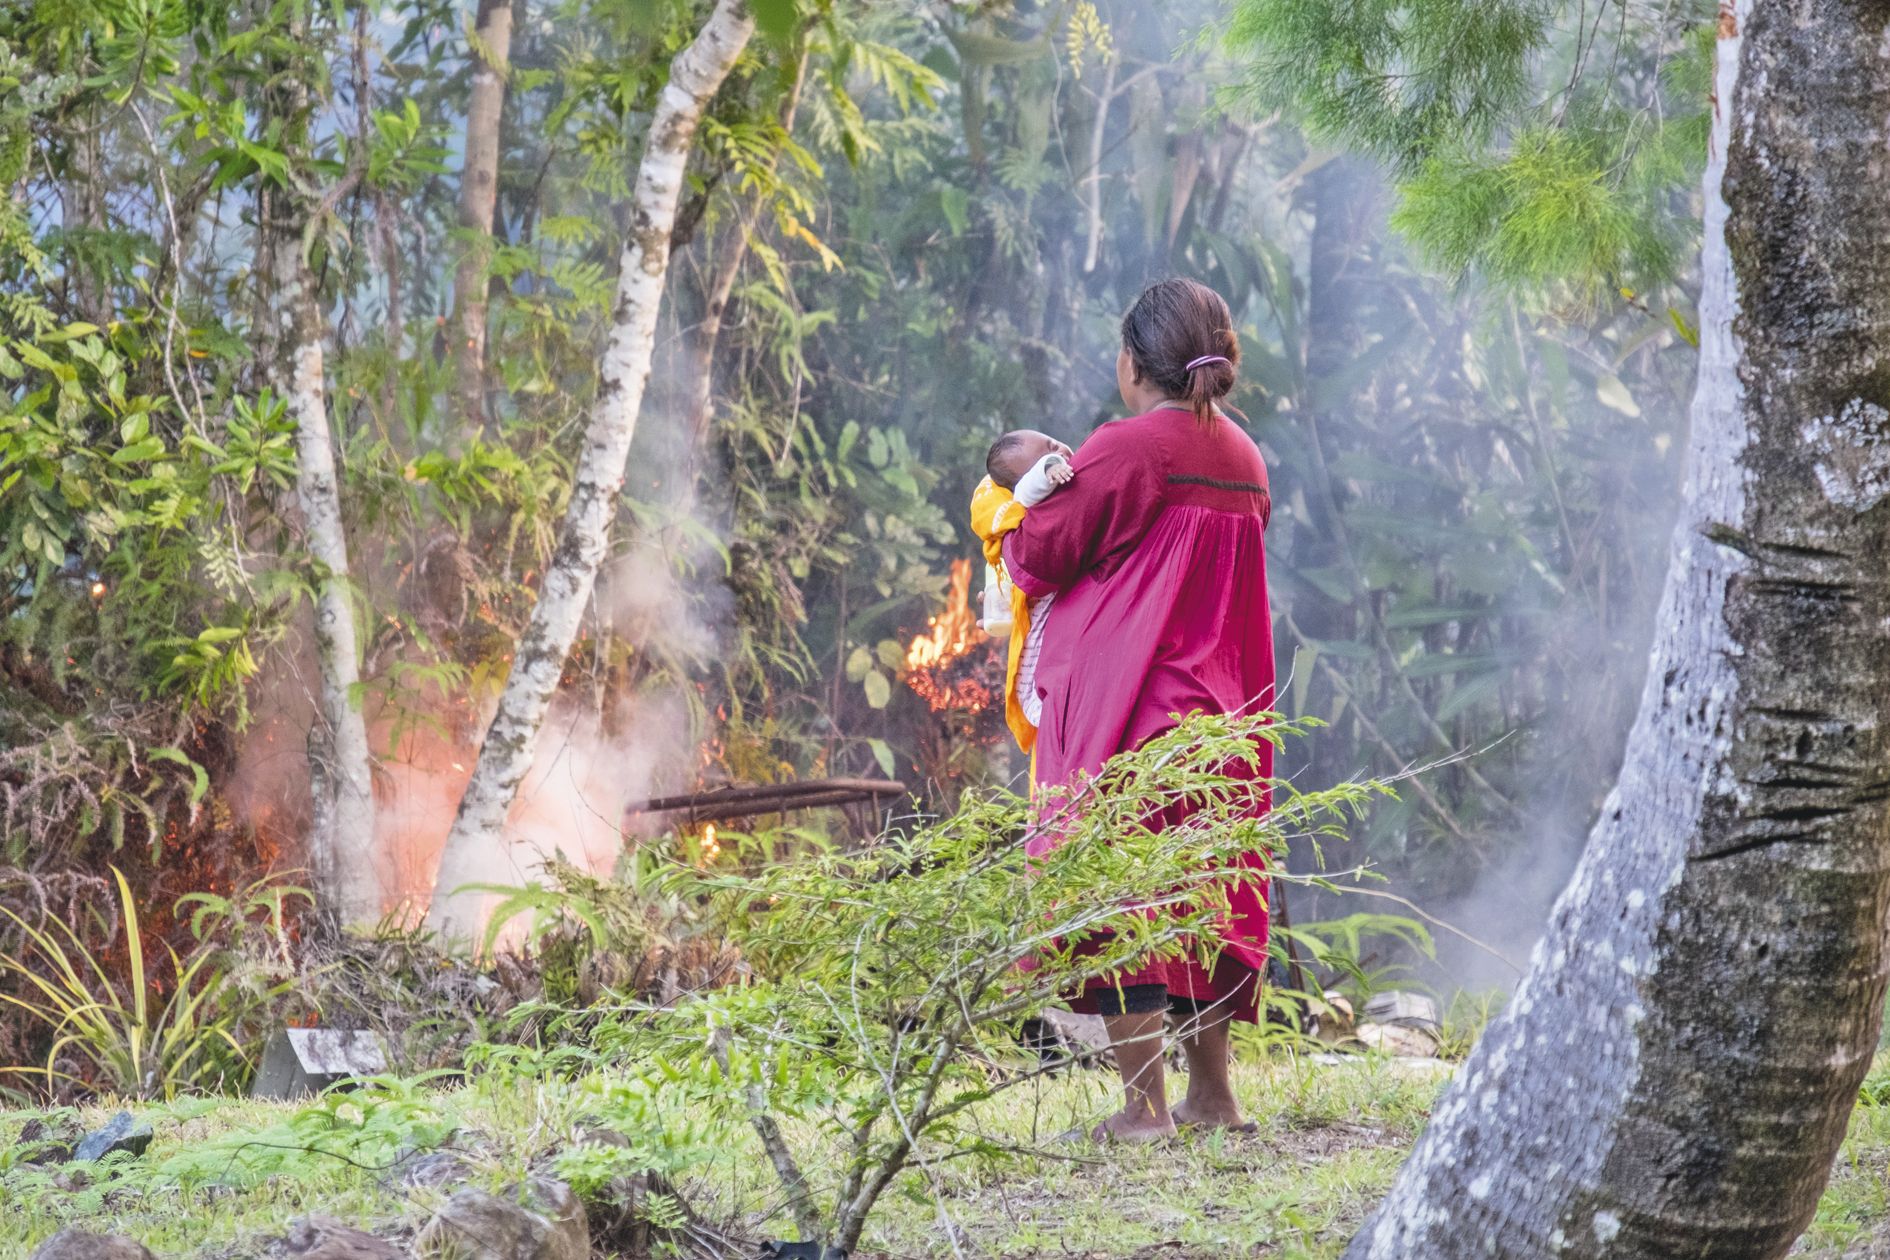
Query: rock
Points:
[1084, 1031]
[78, 1244]
[1402, 1009]
[302, 1061]
[434, 1170]
[319, 1238]
[539, 1220]
[1058, 1035]
[121, 1133]
[1394, 1039]
[47, 1140]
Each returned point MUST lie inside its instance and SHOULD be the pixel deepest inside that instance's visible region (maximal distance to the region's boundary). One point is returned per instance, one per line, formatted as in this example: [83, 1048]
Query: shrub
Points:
[889, 983]
[187, 1026]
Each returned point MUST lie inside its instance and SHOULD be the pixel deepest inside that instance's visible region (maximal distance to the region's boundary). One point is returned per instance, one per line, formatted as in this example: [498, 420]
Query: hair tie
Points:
[1206, 359]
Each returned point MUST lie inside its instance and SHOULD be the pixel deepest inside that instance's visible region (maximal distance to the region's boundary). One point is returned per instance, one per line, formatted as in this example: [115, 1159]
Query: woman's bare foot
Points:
[1219, 1114]
[1133, 1130]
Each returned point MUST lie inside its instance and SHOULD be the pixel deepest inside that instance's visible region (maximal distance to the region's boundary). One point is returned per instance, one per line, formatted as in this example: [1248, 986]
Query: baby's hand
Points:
[1042, 480]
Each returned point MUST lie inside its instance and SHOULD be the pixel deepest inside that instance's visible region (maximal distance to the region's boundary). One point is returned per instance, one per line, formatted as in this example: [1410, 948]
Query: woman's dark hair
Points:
[1174, 323]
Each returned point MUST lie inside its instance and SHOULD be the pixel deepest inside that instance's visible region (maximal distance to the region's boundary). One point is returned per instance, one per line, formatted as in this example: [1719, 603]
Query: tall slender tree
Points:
[478, 195]
[512, 740]
[1674, 1076]
[291, 331]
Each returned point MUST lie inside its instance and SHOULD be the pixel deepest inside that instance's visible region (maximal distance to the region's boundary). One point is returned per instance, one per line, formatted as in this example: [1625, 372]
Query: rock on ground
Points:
[539, 1220]
[121, 1133]
[320, 1238]
[434, 1170]
[78, 1244]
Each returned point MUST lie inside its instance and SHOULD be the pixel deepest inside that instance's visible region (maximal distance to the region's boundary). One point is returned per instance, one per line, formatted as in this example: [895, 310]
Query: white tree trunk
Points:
[478, 195]
[512, 739]
[1674, 1075]
[341, 848]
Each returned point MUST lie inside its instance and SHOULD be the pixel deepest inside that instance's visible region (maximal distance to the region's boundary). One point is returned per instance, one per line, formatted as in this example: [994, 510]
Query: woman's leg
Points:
[1136, 1038]
[1204, 1034]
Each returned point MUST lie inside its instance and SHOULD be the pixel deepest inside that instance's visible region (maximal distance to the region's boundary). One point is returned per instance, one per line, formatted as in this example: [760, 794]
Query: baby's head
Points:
[1014, 454]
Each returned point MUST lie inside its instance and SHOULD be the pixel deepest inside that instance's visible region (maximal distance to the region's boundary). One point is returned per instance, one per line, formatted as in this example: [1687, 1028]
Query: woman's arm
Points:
[1093, 522]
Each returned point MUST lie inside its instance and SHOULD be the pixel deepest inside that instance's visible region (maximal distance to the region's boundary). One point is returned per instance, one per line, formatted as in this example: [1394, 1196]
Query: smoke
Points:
[633, 733]
[590, 763]
[633, 729]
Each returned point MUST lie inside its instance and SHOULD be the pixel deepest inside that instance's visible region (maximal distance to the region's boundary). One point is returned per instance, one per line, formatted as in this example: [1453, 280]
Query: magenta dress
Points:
[1156, 554]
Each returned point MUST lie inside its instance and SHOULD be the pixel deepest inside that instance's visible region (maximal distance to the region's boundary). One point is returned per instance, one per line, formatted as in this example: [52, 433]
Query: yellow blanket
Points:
[994, 513]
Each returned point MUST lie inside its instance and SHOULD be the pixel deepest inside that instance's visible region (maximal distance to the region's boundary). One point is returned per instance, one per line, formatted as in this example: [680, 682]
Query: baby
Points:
[1014, 457]
[1031, 466]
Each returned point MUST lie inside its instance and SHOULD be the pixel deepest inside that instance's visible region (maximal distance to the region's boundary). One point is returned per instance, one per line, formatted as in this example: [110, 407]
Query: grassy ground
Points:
[223, 1178]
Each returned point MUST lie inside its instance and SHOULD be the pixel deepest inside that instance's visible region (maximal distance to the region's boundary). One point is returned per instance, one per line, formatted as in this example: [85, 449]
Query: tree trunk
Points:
[1674, 1076]
[82, 205]
[1344, 196]
[511, 741]
[341, 848]
[478, 194]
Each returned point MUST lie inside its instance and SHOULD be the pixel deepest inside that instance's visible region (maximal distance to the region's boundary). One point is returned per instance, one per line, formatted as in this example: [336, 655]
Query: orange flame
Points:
[949, 635]
[952, 632]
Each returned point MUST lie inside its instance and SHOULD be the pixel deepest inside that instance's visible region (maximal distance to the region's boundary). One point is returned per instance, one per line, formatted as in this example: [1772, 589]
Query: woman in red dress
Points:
[1155, 553]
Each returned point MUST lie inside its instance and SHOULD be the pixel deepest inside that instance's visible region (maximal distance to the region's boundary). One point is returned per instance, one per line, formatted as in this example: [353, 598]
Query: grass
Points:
[223, 1177]
[1330, 1139]
[1856, 1204]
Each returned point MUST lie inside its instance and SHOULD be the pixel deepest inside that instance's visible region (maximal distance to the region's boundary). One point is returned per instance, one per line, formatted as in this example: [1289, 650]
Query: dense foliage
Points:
[929, 218]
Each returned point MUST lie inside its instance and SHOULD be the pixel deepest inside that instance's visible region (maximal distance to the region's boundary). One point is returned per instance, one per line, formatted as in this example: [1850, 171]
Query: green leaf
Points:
[144, 448]
[774, 18]
[1305, 660]
[878, 690]
[1470, 693]
[33, 356]
[859, 661]
[200, 779]
[883, 754]
[1688, 332]
[955, 202]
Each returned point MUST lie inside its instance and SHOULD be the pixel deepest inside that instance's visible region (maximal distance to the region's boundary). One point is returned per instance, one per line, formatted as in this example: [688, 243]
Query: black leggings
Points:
[1140, 999]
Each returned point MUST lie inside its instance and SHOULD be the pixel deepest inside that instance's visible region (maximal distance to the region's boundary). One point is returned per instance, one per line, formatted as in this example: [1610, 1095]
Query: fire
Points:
[953, 631]
[949, 637]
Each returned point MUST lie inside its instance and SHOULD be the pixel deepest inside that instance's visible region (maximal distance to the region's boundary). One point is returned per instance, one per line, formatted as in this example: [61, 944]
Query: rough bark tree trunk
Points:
[1674, 1076]
[478, 195]
[512, 739]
